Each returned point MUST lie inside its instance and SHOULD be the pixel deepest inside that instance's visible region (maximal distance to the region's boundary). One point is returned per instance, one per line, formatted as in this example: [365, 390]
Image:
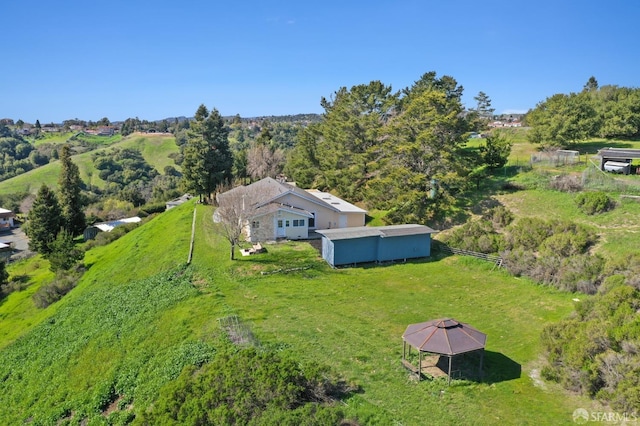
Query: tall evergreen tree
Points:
[70, 195]
[45, 221]
[208, 162]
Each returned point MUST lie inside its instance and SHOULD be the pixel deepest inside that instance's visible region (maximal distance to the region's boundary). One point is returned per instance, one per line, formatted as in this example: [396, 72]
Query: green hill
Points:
[155, 149]
[139, 315]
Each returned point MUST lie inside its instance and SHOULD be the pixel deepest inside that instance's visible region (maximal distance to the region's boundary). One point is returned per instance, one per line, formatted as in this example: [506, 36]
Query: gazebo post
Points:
[419, 365]
[404, 350]
[450, 356]
[481, 360]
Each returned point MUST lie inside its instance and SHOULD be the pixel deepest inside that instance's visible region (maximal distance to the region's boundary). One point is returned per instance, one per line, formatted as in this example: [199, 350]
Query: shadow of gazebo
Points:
[437, 339]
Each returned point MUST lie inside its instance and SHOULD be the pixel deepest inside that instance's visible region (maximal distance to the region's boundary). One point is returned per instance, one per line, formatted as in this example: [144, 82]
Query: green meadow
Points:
[140, 314]
[155, 148]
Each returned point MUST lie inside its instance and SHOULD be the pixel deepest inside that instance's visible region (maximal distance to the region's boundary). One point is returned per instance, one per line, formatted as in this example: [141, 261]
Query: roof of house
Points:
[108, 226]
[621, 153]
[375, 231]
[268, 190]
[338, 203]
[274, 207]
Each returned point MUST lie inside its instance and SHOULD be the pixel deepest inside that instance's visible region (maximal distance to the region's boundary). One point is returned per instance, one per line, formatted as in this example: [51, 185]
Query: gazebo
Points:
[444, 336]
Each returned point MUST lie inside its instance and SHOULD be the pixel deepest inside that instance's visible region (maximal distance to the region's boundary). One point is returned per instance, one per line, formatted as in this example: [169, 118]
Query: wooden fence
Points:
[496, 260]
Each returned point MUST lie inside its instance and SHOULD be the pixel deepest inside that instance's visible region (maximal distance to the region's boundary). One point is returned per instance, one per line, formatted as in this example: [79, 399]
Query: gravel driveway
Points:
[17, 238]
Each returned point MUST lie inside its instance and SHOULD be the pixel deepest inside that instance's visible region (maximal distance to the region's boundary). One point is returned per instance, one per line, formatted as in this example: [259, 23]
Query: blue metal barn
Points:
[362, 244]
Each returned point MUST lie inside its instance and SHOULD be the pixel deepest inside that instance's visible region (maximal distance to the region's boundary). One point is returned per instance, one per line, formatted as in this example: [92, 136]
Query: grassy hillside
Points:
[138, 316]
[155, 149]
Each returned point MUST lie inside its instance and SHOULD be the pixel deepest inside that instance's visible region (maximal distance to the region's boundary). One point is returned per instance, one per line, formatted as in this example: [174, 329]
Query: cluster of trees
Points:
[55, 219]
[129, 177]
[606, 112]
[17, 155]
[403, 152]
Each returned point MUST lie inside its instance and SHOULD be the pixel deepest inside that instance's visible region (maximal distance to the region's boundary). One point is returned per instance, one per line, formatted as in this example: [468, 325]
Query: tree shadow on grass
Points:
[592, 147]
[499, 368]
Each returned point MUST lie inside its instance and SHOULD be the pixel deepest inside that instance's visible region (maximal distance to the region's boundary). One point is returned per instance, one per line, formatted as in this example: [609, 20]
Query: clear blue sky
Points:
[157, 59]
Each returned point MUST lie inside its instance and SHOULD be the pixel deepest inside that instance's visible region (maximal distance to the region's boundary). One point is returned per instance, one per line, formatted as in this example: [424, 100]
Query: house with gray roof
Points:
[281, 210]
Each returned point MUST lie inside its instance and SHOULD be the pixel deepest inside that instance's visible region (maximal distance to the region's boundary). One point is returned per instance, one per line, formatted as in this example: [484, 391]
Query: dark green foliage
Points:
[598, 351]
[207, 162]
[607, 111]
[528, 233]
[478, 236]
[594, 202]
[4, 275]
[51, 292]
[64, 255]
[496, 150]
[45, 221]
[15, 156]
[500, 216]
[130, 178]
[401, 152]
[246, 386]
[69, 194]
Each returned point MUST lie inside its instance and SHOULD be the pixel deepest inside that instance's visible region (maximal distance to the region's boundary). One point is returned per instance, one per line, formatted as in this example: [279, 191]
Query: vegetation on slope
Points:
[108, 348]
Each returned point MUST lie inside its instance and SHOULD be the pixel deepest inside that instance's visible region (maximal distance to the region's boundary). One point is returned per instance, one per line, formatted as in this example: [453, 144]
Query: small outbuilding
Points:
[617, 160]
[91, 231]
[362, 244]
[446, 337]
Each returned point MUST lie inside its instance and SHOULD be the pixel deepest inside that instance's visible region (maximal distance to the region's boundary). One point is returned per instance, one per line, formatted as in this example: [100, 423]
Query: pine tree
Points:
[207, 161]
[64, 254]
[45, 221]
[70, 196]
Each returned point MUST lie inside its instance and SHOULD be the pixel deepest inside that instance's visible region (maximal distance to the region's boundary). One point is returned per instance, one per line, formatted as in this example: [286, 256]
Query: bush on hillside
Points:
[51, 292]
[566, 183]
[248, 386]
[478, 236]
[597, 352]
[594, 202]
[500, 216]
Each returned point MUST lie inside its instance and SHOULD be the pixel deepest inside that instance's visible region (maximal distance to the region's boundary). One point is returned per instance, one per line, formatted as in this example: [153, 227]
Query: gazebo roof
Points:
[444, 336]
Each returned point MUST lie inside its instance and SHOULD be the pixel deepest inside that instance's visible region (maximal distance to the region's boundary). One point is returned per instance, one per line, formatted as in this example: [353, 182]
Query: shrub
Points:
[500, 216]
[478, 236]
[566, 183]
[247, 386]
[55, 290]
[528, 233]
[594, 202]
[597, 352]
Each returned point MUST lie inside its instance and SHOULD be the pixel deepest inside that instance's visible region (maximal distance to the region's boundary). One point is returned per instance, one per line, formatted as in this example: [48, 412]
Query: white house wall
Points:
[267, 229]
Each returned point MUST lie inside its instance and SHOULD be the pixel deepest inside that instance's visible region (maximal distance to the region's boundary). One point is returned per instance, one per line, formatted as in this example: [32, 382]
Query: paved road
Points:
[19, 241]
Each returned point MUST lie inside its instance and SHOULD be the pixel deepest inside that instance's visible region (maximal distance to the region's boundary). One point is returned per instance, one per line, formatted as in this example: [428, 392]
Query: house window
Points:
[279, 223]
[287, 223]
[312, 221]
[298, 222]
[255, 224]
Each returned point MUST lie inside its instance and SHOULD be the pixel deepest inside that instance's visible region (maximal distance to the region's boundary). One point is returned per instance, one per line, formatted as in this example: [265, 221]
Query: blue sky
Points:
[158, 59]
